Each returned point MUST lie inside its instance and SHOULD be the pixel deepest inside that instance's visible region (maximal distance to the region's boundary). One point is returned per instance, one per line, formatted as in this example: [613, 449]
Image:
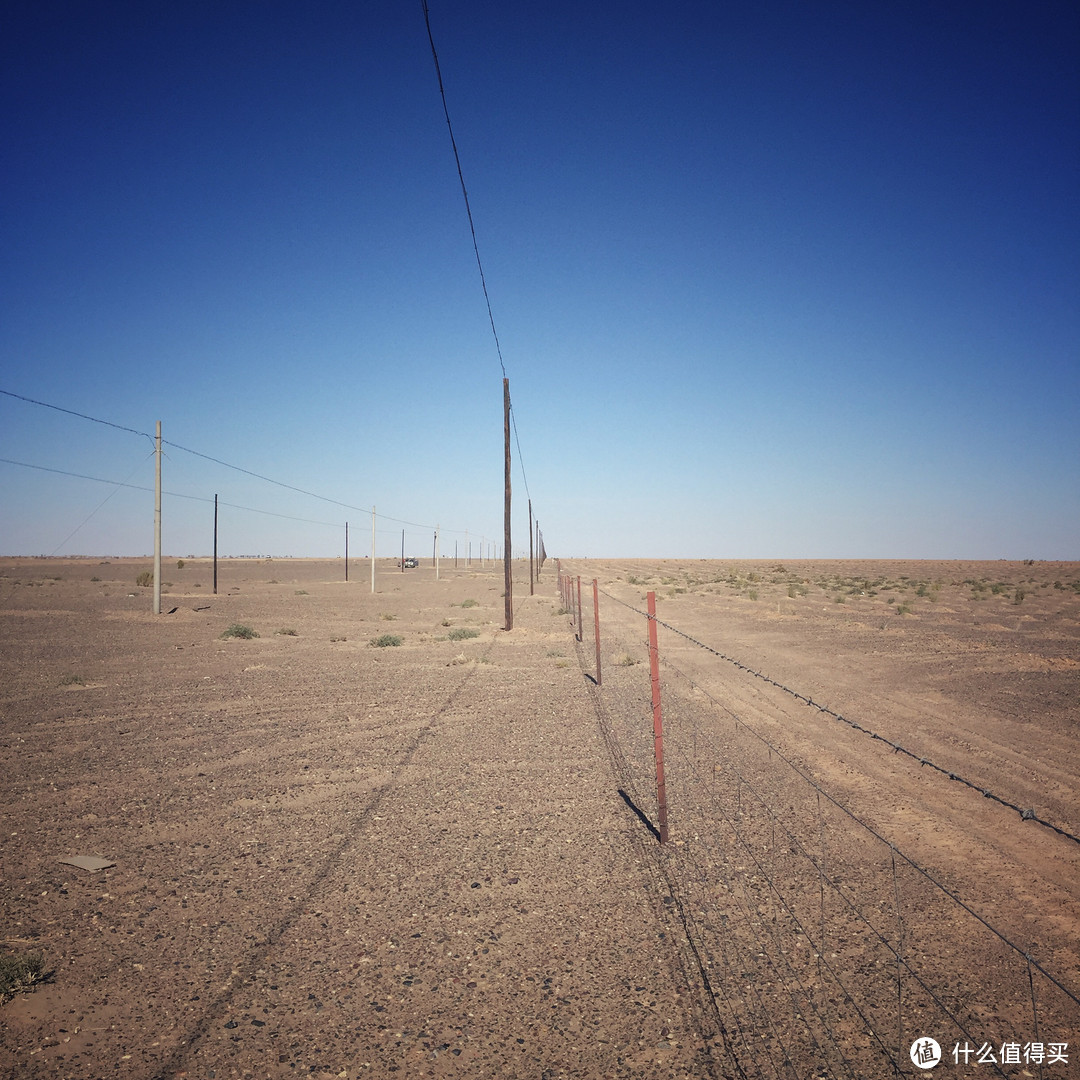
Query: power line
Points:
[82, 416]
[216, 461]
[461, 178]
[472, 231]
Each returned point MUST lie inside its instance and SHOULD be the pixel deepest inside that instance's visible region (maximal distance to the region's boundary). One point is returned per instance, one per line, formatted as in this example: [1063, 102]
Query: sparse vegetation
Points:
[240, 630]
[179, 564]
[626, 660]
[288, 631]
[72, 680]
[460, 633]
[384, 641]
[300, 592]
[387, 617]
[19, 973]
[469, 603]
[145, 579]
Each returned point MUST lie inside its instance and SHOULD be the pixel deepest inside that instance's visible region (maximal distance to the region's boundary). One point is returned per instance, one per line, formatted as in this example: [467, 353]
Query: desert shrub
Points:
[288, 631]
[460, 633]
[904, 609]
[72, 680]
[239, 630]
[1019, 597]
[386, 641]
[752, 593]
[145, 579]
[387, 616]
[20, 973]
[96, 578]
[469, 603]
[626, 660]
[300, 592]
[179, 564]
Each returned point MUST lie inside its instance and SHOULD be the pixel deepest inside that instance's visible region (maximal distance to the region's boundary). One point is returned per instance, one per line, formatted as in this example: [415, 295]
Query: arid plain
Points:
[386, 837]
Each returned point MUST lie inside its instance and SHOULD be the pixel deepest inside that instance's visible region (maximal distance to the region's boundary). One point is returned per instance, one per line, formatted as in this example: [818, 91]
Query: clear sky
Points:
[770, 279]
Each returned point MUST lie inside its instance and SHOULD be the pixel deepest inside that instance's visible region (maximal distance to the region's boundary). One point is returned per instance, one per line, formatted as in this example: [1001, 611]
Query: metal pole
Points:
[658, 721]
[373, 549]
[531, 589]
[157, 520]
[596, 620]
[580, 624]
[346, 551]
[508, 576]
[436, 552]
[403, 551]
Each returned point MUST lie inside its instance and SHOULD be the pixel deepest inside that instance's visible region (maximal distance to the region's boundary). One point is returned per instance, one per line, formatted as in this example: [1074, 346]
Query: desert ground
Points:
[388, 838]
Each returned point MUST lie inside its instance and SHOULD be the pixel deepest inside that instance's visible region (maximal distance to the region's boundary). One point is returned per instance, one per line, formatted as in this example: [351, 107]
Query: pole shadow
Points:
[640, 814]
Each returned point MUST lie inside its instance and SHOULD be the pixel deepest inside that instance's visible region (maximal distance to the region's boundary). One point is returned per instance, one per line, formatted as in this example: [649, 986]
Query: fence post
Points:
[596, 620]
[658, 721]
[580, 628]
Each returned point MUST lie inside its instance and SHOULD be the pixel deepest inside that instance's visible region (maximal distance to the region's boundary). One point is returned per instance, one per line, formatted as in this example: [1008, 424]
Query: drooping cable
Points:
[461, 178]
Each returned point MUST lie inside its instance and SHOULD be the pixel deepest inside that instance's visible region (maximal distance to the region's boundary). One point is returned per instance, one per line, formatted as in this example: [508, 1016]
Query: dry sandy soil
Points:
[438, 858]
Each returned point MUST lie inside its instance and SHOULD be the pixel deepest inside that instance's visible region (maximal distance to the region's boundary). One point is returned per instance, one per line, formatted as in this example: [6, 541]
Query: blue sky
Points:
[792, 280]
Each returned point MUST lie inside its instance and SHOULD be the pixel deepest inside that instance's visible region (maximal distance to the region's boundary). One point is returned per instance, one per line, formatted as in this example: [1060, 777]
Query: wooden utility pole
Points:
[157, 520]
[346, 551]
[508, 576]
[215, 544]
[531, 590]
[373, 549]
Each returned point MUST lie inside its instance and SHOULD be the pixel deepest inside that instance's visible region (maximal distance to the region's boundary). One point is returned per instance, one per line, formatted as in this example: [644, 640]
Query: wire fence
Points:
[826, 949]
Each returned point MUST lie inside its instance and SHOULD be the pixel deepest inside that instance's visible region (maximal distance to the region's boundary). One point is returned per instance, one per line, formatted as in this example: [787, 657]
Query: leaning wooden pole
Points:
[508, 577]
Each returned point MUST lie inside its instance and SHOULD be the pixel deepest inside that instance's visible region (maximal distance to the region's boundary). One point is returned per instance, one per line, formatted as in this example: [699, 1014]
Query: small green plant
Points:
[300, 592]
[469, 603]
[1019, 596]
[18, 973]
[145, 579]
[179, 564]
[904, 609]
[288, 631]
[384, 641]
[626, 660]
[460, 633]
[72, 680]
[752, 593]
[95, 578]
[387, 617]
[239, 630]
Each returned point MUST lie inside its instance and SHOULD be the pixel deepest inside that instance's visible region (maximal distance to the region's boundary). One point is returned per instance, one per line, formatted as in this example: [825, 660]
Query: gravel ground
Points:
[331, 859]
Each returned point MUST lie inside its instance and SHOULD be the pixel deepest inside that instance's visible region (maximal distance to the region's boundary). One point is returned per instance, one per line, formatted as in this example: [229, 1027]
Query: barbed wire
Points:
[696, 913]
[1026, 813]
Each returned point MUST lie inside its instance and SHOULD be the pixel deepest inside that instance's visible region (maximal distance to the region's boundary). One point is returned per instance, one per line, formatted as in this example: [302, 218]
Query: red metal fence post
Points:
[658, 721]
[579, 626]
[596, 620]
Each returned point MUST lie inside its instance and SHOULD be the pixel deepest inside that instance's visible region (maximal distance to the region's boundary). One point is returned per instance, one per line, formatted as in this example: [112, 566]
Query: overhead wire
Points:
[206, 457]
[472, 228]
